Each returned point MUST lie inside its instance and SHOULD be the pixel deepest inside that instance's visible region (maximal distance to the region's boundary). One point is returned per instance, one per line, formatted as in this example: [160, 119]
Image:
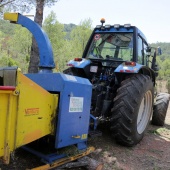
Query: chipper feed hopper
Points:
[43, 105]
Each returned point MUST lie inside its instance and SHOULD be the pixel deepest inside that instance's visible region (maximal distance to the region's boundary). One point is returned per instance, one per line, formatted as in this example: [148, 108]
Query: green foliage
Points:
[66, 45]
[2, 35]
[20, 46]
[8, 62]
[168, 85]
[164, 68]
[68, 41]
[163, 60]
[21, 41]
[56, 34]
[80, 36]
[15, 48]
[68, 28]
[6, 27]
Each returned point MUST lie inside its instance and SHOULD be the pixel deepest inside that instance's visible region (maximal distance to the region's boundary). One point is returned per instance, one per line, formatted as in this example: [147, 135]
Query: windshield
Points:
[118, 46]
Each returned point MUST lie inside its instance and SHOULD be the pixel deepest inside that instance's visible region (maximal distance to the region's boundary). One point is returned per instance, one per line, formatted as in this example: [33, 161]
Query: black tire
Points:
[132, 110]
[160, 109]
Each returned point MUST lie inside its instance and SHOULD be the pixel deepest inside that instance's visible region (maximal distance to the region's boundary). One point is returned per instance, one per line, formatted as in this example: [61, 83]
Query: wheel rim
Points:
[144, 112]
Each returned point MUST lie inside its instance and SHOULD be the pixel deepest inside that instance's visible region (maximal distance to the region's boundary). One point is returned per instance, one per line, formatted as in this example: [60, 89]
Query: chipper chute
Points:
[44, 105]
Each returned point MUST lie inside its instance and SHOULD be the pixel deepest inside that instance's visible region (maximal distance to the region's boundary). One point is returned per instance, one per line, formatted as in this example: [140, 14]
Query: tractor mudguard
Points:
[79, 64]
[123, 68]
[135, 69]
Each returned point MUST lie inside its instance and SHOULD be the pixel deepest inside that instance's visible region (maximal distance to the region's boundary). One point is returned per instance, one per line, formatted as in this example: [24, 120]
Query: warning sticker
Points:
[76, 104]
[97, 37]
[93, 69]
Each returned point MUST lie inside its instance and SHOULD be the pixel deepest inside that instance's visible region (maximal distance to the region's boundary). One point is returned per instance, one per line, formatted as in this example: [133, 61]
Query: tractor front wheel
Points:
[132, 109]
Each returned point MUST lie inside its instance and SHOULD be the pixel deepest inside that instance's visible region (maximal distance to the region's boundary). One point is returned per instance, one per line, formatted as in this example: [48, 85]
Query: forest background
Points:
[68, 42]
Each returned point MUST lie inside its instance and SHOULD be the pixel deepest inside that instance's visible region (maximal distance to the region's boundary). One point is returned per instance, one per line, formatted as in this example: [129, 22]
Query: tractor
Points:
[51, 115]
[122, 69]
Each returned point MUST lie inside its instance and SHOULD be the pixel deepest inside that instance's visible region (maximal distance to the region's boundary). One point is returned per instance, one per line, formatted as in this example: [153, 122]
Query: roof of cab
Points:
[121, 28]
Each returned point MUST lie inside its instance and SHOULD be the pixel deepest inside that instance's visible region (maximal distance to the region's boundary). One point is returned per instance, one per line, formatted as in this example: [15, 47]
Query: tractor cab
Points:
[118, 43]
[114, 46]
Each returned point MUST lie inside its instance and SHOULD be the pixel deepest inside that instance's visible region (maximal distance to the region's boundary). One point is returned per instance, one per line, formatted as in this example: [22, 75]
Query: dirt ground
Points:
[152, 153]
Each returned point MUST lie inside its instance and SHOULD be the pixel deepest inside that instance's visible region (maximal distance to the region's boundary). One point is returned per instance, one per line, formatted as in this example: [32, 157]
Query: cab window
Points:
[116, 46]
[140, 51]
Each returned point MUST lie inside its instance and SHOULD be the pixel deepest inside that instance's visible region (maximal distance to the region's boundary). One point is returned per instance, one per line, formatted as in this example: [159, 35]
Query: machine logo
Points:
[32, 111]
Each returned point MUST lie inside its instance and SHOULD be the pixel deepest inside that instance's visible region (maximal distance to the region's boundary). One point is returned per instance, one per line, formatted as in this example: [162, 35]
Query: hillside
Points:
[64, 39]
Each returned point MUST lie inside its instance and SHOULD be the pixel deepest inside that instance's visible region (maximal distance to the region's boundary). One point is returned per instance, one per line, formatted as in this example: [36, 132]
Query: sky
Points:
[152, 17]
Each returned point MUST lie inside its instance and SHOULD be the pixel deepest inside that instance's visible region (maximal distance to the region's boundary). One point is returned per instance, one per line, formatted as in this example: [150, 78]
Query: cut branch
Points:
[92, 163]
[85, 161]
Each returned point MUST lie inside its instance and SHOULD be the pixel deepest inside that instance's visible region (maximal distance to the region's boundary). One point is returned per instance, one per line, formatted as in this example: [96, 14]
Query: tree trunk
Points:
[34, 56]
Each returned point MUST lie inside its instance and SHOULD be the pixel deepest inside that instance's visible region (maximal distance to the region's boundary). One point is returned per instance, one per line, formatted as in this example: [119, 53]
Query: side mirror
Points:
[149, 51]
[159, 52]
[152, 50]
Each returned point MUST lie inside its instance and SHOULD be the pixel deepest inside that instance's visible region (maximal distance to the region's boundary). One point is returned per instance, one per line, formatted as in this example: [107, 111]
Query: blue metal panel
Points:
[112, 29]
[46, 158]
[141, 33]
[79, 64]
[74, 106]
[44, 45]
[128, 69]
[94, 121]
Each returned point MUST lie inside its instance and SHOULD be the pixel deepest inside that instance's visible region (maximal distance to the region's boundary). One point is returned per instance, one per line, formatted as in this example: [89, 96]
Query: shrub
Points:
[168, 85]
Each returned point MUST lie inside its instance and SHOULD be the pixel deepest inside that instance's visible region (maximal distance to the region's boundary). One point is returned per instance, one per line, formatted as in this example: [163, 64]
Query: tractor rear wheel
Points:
[132, 109]
[160, 109]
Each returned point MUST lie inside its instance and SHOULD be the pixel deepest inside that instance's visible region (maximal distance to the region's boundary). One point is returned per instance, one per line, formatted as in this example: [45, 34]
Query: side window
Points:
[145, 58]
[140, 48]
